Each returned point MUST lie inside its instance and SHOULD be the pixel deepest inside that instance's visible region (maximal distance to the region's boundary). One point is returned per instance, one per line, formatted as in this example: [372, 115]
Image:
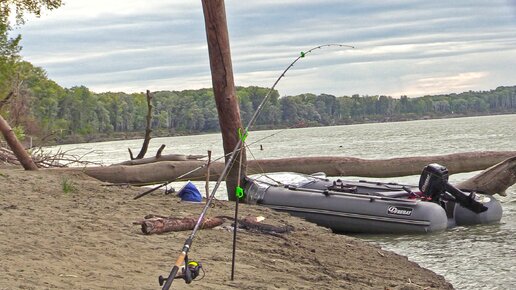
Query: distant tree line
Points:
[42, 107]
[36, 105]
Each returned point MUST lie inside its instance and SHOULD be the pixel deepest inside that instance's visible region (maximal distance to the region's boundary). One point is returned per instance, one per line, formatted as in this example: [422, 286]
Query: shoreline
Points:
[83, 237]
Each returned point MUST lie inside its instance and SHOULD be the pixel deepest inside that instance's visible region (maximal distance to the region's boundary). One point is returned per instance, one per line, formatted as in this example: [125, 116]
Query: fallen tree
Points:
[160, 158]
[153, 224]
[497, 178]
[333, 166]
[158, 224]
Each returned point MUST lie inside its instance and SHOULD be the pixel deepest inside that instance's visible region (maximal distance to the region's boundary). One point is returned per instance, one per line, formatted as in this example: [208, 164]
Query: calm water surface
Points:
[480, 257]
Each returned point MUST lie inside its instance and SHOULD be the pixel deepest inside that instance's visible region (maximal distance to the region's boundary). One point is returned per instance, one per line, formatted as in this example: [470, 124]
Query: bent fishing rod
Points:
[188, 242]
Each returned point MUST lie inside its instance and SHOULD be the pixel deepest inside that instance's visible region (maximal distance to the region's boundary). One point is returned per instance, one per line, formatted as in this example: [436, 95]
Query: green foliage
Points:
[9, 49]
[20, 7]
[19, 132]
[47, 108]
[43, 108]
[11, 74]
[68, 186]
[79, 111]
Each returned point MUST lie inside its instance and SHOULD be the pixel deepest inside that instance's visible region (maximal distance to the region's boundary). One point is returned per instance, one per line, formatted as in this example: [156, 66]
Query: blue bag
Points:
[190, 193]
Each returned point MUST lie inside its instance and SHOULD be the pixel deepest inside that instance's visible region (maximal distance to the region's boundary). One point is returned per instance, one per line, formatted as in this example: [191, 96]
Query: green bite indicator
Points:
[239, 192]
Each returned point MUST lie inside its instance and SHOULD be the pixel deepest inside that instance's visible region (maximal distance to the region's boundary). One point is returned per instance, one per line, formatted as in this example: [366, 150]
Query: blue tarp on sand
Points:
[190, 193]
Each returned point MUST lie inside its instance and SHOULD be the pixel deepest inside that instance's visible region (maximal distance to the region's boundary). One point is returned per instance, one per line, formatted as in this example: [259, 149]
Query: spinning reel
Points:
[189, 272]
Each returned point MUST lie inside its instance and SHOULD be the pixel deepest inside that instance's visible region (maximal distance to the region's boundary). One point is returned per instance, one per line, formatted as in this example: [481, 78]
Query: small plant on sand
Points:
[68, 186]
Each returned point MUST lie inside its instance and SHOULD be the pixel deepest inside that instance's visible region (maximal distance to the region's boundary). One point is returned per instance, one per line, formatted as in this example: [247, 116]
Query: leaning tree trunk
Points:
[223, 85]
[17, 148]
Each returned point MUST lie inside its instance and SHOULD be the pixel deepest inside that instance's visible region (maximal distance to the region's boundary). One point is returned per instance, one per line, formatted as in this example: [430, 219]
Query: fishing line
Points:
[188, 242]
[257, 163]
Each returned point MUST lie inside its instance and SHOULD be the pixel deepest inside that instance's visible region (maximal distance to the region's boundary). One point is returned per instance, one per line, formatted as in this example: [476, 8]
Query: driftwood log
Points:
[333, 166]
[156, 224]
[159, 158]
[253, 224]
[495, 179]
[153, 224]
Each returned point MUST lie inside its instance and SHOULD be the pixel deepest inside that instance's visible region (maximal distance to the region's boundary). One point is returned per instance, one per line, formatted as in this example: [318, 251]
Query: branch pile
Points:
[44, 159]
[7, 156]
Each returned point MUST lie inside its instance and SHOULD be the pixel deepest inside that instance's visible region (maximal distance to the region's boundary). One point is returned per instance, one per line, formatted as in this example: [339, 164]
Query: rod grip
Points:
[179, 262]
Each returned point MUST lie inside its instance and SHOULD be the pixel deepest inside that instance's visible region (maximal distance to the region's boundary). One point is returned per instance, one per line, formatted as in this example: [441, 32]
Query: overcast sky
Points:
[402, 47]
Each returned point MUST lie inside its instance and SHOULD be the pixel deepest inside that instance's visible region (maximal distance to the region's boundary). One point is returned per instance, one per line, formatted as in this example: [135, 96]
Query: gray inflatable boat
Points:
[374, 207]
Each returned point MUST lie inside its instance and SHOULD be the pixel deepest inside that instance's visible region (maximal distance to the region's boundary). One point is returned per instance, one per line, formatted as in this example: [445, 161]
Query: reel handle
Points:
[168, 281]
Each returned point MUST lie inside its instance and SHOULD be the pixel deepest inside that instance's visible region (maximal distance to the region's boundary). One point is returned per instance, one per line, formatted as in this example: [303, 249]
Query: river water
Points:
[479, 257]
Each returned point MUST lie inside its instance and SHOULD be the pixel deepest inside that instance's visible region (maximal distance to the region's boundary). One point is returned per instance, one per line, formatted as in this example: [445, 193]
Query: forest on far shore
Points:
[36, 106]
[44, 110]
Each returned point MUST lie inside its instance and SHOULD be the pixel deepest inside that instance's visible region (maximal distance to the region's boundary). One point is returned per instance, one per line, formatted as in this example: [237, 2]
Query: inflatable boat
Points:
[374, 207]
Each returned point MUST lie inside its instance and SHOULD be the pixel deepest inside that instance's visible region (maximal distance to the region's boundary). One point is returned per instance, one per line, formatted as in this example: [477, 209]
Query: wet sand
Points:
[85, 239]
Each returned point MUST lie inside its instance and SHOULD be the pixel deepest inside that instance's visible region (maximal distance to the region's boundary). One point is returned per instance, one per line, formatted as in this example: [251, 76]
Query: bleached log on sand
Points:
[159, 224]
[332, 166]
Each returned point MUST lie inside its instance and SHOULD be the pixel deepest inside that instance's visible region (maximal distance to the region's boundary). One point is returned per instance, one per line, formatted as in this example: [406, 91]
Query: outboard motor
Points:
[433, 183]
[433, 180]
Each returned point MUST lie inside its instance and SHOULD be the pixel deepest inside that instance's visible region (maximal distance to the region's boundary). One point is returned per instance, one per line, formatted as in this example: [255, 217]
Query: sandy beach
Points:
[63, 230]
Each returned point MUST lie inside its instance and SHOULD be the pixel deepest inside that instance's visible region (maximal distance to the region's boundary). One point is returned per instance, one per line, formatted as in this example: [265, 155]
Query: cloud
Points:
[434, 85]
[131, 46]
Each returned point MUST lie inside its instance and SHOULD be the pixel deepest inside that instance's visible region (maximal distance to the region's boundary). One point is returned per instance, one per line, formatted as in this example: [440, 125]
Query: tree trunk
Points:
[332, 166]
[151, 173]
[160, 224]
[157, 224]
[223, 84]
[15, 145]
[169, 157]
[497, 178]
[148, 129]
[394, 167]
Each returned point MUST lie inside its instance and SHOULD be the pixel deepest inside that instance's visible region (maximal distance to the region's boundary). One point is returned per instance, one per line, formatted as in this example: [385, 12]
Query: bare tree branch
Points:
[6, 99]
[148, 129]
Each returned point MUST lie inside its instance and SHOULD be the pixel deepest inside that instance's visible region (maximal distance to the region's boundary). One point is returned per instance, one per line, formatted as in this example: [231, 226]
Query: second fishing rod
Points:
[188, 242]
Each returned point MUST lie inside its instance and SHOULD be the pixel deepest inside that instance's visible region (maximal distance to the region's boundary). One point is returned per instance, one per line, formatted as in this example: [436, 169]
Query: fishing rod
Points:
[188, 242]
